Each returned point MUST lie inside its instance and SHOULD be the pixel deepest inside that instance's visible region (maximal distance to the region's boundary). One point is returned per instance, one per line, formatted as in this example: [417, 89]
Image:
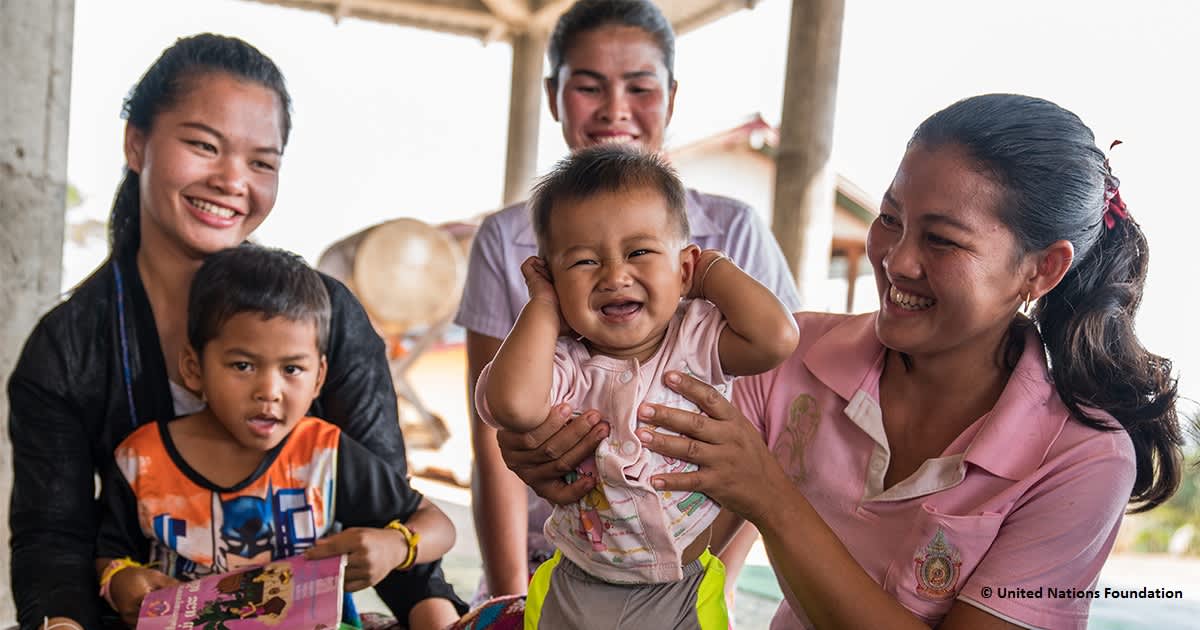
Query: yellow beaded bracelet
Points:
[114, 567]
[412, 538]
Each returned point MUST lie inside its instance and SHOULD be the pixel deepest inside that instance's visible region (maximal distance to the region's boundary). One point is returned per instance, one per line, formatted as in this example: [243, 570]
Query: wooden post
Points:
[852, 257]
[524, 113]
[804, 180]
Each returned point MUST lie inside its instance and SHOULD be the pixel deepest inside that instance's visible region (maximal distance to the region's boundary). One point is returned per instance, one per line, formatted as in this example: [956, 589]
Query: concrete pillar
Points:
[804, 179]
[524, 114]
[35, 72]
[852, 259]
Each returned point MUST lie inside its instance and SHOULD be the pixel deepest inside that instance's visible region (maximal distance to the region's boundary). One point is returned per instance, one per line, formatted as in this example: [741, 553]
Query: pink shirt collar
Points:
[1014, 438]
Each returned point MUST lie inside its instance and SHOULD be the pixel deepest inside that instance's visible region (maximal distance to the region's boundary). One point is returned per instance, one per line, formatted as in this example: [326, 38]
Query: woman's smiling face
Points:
[613, 86]
[208, 165]
[947, 268]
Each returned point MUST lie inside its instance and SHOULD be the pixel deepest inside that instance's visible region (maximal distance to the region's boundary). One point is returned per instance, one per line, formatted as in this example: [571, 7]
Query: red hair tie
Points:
[1114, 206]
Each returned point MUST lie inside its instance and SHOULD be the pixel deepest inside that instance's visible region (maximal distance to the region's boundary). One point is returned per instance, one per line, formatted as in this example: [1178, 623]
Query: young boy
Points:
[250, 478]
[635, 299]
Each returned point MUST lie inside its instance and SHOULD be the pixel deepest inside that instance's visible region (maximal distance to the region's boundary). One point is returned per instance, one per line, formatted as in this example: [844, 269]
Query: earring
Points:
[1025, 306]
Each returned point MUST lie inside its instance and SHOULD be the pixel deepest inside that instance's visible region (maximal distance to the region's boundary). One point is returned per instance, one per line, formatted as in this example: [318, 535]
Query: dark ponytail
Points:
[166, 82]
[1055, 181]
[124, 230]
[1087, 322]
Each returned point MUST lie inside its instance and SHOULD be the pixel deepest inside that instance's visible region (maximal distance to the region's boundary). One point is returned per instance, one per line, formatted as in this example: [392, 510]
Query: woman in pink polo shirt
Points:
[961, 458]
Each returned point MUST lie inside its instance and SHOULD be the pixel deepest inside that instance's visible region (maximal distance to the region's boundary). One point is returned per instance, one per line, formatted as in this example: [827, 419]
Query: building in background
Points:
[740, 162]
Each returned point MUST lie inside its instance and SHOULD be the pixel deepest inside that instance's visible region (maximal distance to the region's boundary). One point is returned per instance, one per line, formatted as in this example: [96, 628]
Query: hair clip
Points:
[1114, 206]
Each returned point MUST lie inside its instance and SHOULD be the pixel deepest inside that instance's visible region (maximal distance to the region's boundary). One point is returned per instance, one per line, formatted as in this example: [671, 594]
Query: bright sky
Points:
[392, 121]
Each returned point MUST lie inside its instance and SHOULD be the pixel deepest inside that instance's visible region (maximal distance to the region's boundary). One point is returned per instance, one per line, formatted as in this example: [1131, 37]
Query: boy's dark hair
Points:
[589, 15]
[606, 169]
[255, 279]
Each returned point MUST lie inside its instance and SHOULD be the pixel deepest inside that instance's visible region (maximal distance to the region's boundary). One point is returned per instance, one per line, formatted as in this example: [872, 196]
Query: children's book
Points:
[289, 594]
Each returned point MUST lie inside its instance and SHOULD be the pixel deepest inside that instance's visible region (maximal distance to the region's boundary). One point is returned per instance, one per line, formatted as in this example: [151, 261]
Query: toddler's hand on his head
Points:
[537, 280]
[541, 288]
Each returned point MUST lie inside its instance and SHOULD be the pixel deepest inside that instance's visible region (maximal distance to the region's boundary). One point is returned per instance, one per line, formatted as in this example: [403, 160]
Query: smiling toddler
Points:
[618, 297]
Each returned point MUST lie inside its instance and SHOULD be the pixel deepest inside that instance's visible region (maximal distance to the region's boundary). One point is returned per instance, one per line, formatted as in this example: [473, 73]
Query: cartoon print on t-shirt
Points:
[247, 530]
[255, 530]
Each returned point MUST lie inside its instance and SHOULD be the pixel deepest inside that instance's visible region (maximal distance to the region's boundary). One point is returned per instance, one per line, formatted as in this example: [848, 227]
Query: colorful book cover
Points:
[289, 594]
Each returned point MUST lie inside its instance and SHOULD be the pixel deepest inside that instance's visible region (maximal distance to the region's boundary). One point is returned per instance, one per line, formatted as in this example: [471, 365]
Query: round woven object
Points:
[408, 274]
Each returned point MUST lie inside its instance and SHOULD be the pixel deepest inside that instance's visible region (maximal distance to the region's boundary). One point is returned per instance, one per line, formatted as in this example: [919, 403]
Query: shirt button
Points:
[628, 448]
[626, 376]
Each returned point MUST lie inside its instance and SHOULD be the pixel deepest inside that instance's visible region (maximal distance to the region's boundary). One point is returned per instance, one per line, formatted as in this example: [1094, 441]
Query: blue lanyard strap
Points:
[128, 372]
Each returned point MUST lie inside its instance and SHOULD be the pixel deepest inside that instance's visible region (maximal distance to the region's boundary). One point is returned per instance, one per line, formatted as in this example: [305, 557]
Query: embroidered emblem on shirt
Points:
[803, 417]
[937, 568]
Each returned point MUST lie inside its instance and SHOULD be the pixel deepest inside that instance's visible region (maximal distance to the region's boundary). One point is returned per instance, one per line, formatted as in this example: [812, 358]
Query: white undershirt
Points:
[186, 403]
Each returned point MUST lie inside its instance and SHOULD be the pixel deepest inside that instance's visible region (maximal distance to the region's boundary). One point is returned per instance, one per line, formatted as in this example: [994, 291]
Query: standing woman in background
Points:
[207, 126]
[611, 81]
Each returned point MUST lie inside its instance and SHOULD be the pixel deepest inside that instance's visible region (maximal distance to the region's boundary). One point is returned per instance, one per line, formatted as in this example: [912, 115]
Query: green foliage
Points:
[1155, 528]
[1152, 538]
[74, 198]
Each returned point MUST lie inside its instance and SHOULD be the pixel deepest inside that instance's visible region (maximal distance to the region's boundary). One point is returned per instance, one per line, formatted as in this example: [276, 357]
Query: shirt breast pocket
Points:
[937, 557]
